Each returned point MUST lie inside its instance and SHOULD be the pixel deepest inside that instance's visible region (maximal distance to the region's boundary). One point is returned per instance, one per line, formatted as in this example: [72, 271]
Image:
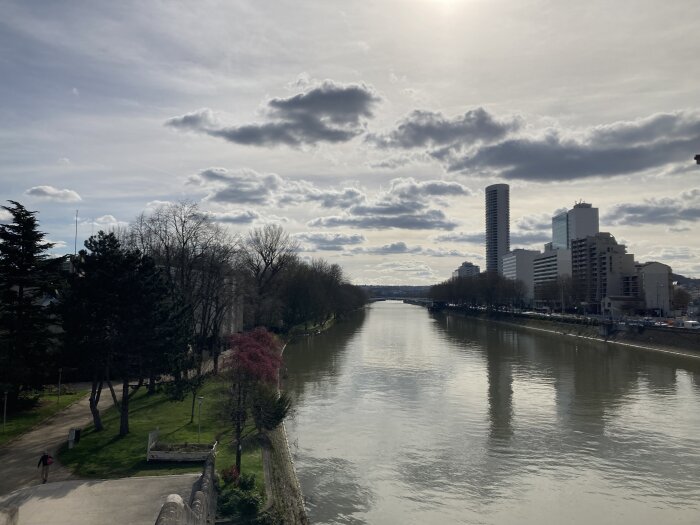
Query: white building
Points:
[497, 198]
[518, 265]
[550, 266]
[467, 269]
[656, 286]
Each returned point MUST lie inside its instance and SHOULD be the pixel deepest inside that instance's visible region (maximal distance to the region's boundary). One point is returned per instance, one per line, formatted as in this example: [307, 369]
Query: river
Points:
[402, 416]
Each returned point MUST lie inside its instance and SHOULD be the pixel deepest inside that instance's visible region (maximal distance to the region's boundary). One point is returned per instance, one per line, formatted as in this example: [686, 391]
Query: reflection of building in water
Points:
[498, 348]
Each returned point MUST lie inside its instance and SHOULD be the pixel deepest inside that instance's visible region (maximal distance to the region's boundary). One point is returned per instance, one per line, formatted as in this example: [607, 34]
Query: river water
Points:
[402, 416]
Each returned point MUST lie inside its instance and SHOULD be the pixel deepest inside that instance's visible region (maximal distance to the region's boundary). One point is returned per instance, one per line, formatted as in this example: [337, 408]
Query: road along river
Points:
[402, 416]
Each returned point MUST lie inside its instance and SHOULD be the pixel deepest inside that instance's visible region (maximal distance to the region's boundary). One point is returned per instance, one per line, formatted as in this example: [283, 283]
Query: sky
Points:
[368, 130]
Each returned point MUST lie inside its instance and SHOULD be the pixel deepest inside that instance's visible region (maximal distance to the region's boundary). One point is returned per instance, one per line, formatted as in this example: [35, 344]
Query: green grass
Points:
[106, 455]
[46, 406]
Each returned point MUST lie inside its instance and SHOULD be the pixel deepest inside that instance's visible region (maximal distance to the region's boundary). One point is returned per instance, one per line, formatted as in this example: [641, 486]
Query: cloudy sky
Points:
[367, 129]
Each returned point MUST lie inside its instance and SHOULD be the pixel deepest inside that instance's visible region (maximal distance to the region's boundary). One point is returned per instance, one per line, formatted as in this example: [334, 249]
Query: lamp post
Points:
[58, 399]
[4, 413]
[199, 419]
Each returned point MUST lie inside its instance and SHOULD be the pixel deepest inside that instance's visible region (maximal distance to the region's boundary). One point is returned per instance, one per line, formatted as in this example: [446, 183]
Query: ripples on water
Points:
[404, 417]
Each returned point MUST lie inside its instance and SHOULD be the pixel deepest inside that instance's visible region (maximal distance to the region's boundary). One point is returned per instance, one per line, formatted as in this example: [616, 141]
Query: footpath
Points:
[65, 499]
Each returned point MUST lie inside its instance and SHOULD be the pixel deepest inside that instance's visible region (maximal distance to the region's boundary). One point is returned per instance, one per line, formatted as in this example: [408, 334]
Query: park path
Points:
[65, 499]
[19, 457]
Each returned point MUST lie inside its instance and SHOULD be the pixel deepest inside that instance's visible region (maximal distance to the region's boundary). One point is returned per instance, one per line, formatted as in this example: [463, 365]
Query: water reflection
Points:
[404, 417]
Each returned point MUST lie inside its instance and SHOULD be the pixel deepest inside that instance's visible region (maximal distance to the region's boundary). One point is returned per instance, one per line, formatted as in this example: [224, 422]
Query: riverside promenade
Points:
[65, 499]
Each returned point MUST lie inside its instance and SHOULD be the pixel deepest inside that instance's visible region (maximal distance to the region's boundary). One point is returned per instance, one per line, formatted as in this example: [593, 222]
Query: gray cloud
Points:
[605, 151]
[330, 241]
[428, 220]
[327, 112]
[50, 193]
[428, 129]
[243, 186]
[470, 237]
[405, 204]
[401, 247]
[516, 237]
[685, 207]
[234, 217]
[246, 186]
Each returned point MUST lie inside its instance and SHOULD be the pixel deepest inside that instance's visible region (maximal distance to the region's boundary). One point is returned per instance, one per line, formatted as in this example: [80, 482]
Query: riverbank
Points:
[648, 338]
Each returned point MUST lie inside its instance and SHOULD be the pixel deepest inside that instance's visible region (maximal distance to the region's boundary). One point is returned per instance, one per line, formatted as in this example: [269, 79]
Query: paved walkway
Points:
[66, 500]
[133, 501]
[19, 457]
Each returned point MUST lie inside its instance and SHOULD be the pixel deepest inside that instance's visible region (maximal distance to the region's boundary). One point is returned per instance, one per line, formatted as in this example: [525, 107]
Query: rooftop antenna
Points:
[75, 242]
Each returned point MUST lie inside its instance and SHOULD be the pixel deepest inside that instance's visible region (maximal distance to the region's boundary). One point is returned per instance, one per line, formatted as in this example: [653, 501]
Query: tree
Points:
[29, 279]
[265, 253]
[252, 370]
[198, 262]
[119, 319]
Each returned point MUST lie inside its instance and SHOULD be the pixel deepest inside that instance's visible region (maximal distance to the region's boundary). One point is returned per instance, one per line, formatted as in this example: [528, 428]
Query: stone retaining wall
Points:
[201, 510]
[288, 499]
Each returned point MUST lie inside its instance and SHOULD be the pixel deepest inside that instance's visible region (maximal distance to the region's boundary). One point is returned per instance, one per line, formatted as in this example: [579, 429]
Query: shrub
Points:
[230, 475]
[246, 482]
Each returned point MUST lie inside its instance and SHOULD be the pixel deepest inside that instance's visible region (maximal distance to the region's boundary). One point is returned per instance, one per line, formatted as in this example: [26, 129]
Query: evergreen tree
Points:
[28, 280]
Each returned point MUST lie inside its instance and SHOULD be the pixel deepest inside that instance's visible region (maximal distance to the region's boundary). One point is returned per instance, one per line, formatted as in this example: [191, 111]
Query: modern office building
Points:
[577, 223]
[497, 226]
[467, 269]
[518, 266]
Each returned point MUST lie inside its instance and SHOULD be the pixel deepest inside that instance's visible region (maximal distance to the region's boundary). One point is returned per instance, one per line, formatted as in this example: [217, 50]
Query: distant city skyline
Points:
[369, 131]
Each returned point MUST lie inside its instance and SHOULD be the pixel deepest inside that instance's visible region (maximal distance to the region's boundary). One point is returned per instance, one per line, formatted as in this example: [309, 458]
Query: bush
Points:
[236, 502]
[270, 517]
[230, 475]
[246, 482]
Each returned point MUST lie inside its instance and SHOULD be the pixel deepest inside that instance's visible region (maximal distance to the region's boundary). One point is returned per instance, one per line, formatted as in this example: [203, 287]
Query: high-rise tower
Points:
[497, 226]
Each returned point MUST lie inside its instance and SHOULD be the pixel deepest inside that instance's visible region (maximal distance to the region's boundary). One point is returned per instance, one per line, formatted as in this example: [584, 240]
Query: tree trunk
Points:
[194, 396]
[94, 400]
[151, 384]
[239, 428]
[124, 409]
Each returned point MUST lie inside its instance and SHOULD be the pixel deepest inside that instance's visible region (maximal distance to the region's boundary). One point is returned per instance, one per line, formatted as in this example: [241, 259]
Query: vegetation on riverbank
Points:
[33, 409]
[105, 455]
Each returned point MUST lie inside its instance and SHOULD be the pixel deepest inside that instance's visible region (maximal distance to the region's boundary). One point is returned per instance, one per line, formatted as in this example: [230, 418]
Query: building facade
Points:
[518, 266]
[656, 287]
[497, 226]
[548, 268]
[600, 267]
[467, 269]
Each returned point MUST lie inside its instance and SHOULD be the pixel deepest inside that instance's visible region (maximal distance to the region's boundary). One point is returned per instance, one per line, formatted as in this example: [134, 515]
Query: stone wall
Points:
[201, 509]
[287, 497]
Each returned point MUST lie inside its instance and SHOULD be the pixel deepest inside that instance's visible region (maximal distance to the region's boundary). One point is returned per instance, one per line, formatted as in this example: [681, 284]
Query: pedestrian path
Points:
[136, 501]
[19, 457]
[67, 500]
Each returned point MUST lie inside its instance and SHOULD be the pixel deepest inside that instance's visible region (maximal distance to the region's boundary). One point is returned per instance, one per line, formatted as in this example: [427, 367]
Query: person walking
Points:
[44, 461]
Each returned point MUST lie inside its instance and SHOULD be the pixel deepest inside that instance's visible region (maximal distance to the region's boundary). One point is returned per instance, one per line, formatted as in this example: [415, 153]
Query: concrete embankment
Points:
[655, 338]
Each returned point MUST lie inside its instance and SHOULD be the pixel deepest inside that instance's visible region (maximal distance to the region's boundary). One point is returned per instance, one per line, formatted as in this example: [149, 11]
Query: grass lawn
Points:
[106, 455]
[46, 406]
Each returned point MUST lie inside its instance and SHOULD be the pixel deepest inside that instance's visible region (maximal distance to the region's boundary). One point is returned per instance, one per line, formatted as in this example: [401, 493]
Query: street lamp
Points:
[58, 399]
[4, 414]
[199, 418]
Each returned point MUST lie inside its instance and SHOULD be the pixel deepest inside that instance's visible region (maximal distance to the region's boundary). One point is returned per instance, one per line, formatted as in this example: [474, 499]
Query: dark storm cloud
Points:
[429, 129]
[605, 151]
[669, 211]
[330, 241]
[329, 112]
[428, 220]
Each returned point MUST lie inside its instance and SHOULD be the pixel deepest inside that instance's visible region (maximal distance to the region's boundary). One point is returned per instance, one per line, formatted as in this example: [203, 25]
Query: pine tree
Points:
[29, 278]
